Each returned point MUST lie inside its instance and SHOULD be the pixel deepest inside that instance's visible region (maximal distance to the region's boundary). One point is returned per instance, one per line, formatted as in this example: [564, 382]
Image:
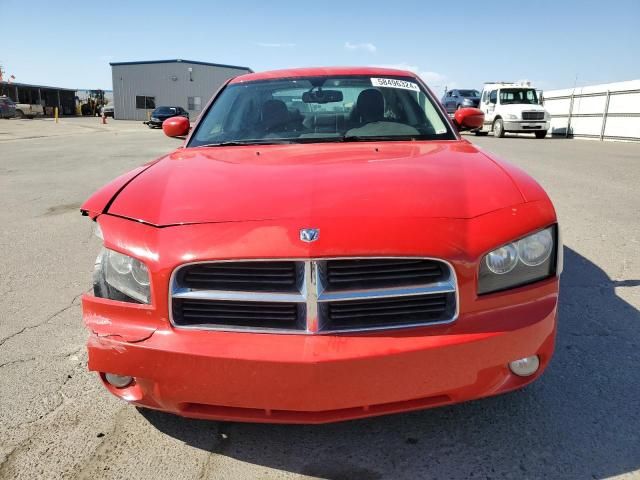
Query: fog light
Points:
[525, 366]
[118, 381]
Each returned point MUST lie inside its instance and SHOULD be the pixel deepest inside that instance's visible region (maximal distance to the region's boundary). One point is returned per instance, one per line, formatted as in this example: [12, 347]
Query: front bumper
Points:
[524, 126]
[319, 378]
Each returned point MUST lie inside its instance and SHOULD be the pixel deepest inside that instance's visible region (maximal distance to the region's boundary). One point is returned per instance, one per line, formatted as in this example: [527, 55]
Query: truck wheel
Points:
[541, 134]
[498, 128]
[19, 114]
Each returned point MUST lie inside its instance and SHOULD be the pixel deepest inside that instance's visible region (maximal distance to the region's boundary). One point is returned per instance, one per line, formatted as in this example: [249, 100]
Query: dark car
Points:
[160, 114]
[455, 99]
[7, 108]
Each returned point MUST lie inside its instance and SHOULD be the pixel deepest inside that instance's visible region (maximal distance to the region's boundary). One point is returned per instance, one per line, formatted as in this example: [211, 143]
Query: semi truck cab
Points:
[513, 107]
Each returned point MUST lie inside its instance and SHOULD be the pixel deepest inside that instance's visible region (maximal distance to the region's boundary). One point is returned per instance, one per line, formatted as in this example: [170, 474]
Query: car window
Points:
[493, 96]
[322, 109]
[164, 110]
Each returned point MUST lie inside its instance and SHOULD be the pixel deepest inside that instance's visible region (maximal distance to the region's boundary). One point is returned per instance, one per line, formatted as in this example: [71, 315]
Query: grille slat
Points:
[408, 269]
[349, 264]
[368, 307]
[395, 313]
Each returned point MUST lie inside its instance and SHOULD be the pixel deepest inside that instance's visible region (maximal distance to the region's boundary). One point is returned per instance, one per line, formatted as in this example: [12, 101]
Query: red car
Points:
[325, 246]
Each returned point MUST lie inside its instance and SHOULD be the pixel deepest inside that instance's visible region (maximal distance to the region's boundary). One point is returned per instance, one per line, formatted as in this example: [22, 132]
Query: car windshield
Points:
[164, 110]
[518, 95]
[469, 93]
[321, 109]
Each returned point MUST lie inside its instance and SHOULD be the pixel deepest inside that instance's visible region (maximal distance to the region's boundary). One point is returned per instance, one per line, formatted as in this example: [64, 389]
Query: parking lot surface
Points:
[580, 420]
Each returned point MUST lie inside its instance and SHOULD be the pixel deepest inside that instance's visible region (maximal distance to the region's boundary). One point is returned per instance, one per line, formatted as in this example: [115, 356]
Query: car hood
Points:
[311, 181]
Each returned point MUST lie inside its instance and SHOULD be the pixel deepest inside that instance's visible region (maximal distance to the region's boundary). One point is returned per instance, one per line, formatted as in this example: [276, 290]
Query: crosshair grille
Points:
[313, 296]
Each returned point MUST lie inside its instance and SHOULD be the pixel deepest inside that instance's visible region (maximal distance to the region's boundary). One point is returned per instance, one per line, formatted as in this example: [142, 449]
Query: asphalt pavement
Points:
[580, 420]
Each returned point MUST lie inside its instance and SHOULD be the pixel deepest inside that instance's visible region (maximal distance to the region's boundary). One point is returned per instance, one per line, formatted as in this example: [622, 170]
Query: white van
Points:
[512, 107]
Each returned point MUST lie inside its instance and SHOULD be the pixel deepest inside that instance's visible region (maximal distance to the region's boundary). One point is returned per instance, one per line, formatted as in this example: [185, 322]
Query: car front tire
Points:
[498, 128]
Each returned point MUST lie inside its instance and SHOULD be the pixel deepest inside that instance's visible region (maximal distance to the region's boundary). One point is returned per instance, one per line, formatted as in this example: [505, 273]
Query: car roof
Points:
[322, 72]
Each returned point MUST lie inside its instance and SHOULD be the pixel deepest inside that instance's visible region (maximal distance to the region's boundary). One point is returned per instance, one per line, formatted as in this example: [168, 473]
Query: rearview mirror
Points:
[176, 127]
[468, 118]
[322, 96]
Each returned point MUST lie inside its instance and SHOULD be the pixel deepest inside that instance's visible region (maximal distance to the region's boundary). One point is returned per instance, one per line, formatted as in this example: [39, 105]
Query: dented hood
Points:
[384, 179]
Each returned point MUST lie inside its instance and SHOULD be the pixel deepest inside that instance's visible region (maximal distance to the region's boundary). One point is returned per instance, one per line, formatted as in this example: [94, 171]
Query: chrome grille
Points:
[533, 115]
[313, 296]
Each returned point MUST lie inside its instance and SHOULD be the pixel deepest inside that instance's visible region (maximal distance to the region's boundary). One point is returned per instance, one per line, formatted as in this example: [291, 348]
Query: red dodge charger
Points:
[324, 246]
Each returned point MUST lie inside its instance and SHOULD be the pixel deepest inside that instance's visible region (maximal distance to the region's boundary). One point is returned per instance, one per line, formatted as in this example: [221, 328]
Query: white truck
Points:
[512, 107]
[29, 110]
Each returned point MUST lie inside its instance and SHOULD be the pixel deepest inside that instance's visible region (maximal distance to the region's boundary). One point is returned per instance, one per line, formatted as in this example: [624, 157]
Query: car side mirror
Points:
[176, 126]
[468, 119]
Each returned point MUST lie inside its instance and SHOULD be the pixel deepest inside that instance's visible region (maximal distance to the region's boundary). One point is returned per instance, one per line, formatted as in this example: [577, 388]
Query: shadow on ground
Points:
[580, 420]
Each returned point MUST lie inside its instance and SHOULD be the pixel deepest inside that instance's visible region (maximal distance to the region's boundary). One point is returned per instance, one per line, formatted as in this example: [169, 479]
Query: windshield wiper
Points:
[235, 143]
[378, 138]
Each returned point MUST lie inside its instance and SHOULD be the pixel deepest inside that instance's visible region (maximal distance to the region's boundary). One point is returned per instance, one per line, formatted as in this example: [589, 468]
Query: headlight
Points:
[154, 119]
[535, 249]
[511, 116]
[121, 277]
[517, 263]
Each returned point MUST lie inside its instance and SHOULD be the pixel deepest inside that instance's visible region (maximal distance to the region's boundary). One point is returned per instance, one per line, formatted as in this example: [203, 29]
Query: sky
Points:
[554, 44]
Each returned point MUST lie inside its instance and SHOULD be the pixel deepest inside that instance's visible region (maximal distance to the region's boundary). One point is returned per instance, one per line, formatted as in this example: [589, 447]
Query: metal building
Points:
[139, 87]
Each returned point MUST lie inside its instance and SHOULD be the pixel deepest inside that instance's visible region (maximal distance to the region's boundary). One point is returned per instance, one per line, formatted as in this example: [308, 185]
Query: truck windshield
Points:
[518, 95]
[321, 109]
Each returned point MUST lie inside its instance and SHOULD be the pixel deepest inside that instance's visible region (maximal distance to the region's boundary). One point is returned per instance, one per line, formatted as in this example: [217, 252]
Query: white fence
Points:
[610, 111]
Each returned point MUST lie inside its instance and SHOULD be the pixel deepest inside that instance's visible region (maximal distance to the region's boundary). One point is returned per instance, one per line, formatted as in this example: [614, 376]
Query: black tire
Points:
[541, 134]
[480, 133]
[498, 128]
[19, 114]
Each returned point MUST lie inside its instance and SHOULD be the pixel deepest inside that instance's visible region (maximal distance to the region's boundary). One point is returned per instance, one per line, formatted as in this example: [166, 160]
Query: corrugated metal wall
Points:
[168, 82]
[609, 111]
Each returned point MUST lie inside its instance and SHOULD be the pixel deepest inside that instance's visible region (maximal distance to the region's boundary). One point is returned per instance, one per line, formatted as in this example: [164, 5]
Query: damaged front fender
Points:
[100, 201]
[121, 321]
